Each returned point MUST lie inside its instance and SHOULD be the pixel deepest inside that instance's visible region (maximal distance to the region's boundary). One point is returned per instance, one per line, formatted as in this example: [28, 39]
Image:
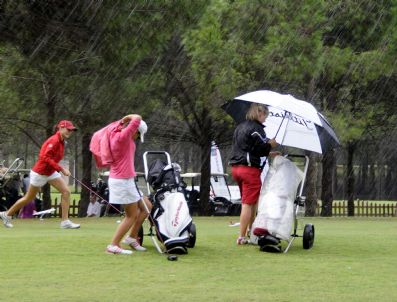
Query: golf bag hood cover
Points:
[276, 200]
[161, 174]
[155, 169]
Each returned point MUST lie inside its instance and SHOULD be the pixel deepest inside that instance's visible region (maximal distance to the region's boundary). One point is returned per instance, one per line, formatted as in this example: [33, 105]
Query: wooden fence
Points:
[339, 208]
[364, 209]
[73, 210]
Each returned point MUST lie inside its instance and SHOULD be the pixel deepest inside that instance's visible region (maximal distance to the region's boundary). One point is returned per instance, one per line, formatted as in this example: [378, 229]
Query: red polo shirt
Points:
[50, 155]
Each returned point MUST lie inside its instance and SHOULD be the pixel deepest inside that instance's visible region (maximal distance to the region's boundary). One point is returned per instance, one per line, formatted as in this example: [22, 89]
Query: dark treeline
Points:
[177, 62]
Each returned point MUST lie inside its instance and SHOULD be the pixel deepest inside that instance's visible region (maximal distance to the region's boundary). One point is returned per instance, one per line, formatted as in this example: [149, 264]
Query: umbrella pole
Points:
[282, 121]
[285, 132]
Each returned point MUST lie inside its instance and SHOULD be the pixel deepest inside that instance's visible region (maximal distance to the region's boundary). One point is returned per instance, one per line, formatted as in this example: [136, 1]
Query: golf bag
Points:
[275, 216]
[170, 211]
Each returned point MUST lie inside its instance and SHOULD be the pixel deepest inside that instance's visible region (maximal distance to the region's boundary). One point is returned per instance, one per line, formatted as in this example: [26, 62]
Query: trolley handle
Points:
[305, 168]
[17, 163]
[296, 155]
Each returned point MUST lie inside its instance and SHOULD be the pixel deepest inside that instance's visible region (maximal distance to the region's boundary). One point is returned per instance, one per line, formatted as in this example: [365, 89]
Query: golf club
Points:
[96, 194]
[169, 256]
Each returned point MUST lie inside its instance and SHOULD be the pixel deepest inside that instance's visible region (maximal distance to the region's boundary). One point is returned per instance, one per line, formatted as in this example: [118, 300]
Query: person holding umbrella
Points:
[249, 145]
[46, 170]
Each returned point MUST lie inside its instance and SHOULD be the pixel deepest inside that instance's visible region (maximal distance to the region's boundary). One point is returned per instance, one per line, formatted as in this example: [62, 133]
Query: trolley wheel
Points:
[140, 235]
[308, 236]
[192, 236]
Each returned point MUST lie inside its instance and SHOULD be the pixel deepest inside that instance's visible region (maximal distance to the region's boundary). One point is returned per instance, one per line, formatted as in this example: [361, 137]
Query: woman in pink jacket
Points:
[122, 187]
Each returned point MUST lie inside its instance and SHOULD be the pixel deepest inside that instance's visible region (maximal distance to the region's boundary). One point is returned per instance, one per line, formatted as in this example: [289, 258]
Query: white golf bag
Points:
[276, 201]
[170, 212]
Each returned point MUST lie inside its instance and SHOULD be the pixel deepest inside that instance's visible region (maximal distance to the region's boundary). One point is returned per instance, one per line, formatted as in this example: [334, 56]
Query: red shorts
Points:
[249, 182]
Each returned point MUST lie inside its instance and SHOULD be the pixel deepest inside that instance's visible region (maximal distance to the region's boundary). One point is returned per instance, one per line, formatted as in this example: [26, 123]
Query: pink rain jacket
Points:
[100, 145]
[123, 150]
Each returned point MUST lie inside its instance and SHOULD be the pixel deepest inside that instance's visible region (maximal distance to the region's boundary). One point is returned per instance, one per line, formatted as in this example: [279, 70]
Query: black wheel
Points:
[192, 236]
[236, 209]
[308, 236]
[193, 202]
[140, 235]
[222, 206]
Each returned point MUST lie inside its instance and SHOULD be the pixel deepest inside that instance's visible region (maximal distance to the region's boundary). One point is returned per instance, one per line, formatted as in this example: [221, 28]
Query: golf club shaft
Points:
[151, 219]
[96, 194]
[144, 204]
[154, 225]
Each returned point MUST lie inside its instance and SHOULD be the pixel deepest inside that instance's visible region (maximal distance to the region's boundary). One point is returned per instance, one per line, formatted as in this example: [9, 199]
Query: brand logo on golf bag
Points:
[175, 222]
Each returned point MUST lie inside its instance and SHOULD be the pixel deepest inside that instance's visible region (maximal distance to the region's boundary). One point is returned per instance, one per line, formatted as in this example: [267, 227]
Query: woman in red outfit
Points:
[46, 170]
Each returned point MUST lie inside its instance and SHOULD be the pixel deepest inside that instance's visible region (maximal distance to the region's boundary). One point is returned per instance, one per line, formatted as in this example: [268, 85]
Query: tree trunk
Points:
[86, 179]
[185, 161]
[46, 190]
[392, 181]
[364, 187]
[327, 181]
[351, 146]
[381, 180]
[311, 191]
[372, 181]
[50, 101]
[76, 164]
[205, 178]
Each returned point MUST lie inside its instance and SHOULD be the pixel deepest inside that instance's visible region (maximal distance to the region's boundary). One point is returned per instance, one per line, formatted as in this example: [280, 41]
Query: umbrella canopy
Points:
[284, 102]
[291, 122]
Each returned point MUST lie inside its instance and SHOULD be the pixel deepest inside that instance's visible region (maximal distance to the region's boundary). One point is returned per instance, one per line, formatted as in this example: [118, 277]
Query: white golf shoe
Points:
[132, 242]
[114, 249]
[6, 219]
[67, 224]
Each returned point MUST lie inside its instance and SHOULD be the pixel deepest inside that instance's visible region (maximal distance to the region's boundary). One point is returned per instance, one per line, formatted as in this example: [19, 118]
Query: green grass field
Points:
[353, 259]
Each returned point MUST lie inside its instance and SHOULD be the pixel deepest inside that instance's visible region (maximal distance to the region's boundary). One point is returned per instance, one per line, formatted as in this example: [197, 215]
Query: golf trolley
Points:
[270, 241]
[9, 191]
[221, 200]
[170, 213]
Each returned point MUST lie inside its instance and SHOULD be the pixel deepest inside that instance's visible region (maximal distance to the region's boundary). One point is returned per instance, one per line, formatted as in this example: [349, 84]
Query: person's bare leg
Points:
[126, 223]
[28, 197]
[252, 218]
[141, 216]
[60, 185]
[245, 217]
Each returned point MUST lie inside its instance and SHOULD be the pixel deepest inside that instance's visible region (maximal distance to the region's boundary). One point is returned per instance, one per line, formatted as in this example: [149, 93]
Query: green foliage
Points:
[293, 50]
[343, 120]
[213, 57]
[360, 26]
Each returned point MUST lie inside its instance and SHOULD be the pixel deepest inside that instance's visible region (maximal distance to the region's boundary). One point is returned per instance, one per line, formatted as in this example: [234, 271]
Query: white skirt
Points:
[123, 191]
[38, 180]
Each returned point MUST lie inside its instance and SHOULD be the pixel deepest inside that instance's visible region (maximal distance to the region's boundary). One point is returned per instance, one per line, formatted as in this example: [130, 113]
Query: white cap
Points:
[142, 129]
